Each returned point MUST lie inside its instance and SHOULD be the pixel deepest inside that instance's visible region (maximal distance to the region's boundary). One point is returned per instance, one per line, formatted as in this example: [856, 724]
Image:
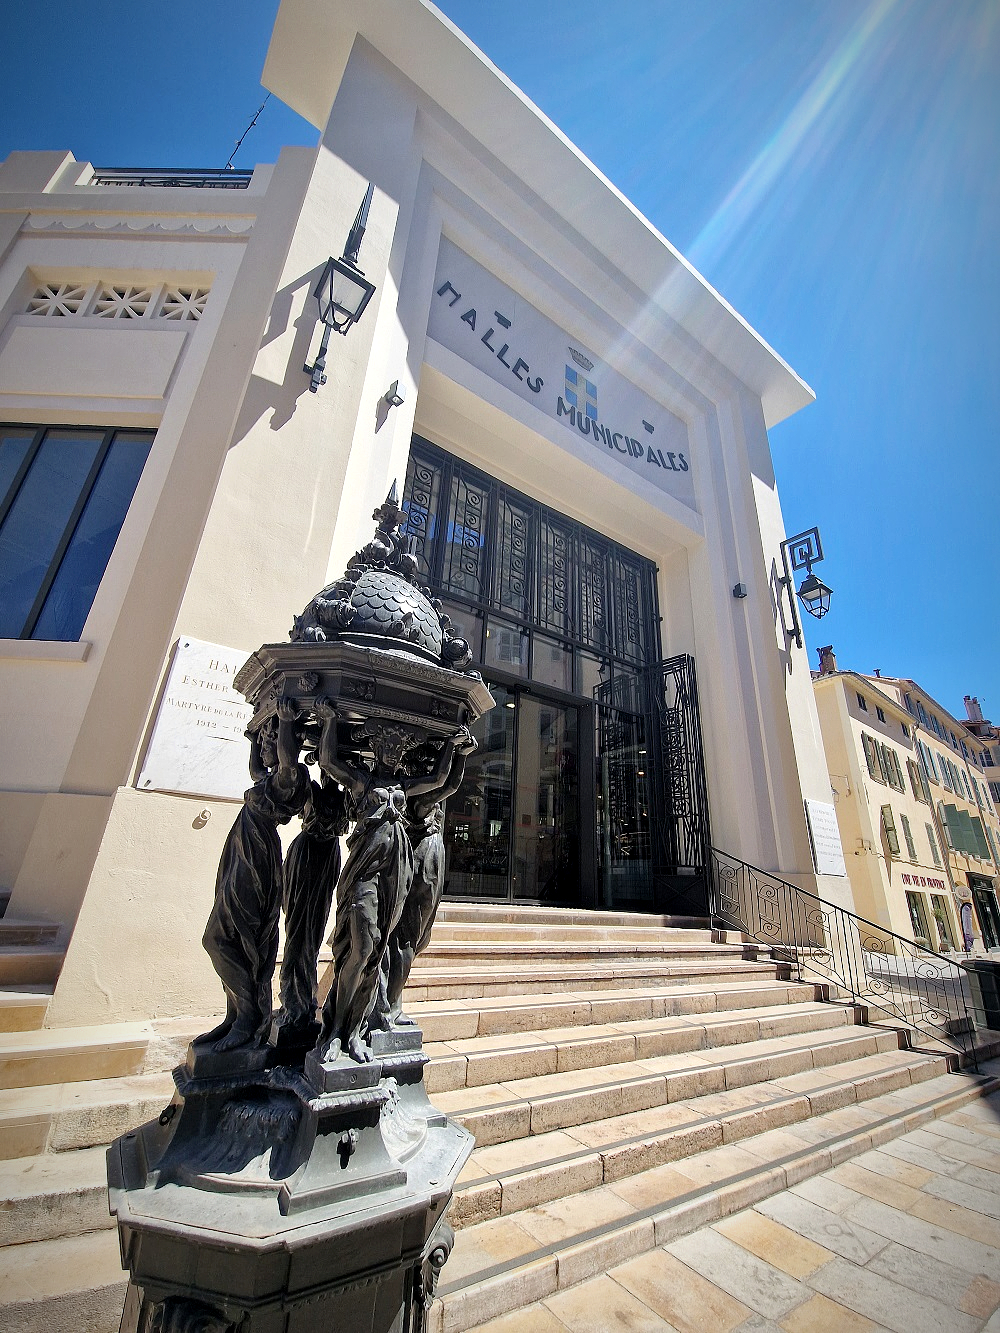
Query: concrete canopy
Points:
[309, 50]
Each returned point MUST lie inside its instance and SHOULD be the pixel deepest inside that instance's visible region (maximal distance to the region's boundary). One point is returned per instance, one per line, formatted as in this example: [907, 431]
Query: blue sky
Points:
[831, 166]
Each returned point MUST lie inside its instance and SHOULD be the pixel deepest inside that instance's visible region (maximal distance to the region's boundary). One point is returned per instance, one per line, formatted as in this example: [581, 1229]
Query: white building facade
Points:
[581, 448]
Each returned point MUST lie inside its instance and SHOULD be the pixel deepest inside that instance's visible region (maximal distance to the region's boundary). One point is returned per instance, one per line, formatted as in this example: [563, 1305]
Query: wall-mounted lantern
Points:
[342, 293]
[802, 552]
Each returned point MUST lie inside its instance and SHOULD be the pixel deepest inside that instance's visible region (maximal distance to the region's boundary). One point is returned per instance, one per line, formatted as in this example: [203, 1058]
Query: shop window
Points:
[918, 919]
[889, 829]
[932, 843]
[942, 922]
[64, 494]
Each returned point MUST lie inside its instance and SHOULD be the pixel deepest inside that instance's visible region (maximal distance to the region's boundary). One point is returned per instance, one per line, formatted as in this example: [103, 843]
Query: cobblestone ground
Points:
[905, 1238]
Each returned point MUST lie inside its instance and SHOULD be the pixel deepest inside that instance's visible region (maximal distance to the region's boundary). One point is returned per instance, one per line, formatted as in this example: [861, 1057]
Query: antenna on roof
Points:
[239, 141]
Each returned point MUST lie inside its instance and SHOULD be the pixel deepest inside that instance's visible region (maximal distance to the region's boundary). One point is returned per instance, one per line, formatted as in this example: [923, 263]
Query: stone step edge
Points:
[555, 1268]
[454, 1064]
[451, 908]
[498, 1125]
[481, 985]
[728, 1123]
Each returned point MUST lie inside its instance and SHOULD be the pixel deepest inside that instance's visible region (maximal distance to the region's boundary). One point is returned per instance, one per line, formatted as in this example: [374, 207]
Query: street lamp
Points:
[342, 293]
[802, 552]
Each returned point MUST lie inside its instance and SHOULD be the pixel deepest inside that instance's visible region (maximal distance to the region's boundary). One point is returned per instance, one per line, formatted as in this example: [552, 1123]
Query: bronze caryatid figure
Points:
[374, 692]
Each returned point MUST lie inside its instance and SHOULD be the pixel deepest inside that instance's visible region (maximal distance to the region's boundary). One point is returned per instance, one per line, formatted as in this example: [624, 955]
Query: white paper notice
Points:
[198, 747]
[828, 851]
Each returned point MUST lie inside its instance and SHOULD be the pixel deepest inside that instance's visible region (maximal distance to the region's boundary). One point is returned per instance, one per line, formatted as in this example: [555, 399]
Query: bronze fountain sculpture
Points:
[291, 1135]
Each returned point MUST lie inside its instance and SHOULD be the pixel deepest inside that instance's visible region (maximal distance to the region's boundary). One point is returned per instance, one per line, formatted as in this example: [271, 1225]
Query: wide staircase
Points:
[628, 1078]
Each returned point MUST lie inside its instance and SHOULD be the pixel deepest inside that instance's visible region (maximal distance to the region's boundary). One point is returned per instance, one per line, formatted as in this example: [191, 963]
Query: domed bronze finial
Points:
[389, 513]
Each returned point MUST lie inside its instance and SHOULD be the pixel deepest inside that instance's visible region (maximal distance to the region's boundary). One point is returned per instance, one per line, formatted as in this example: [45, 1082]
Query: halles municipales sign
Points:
[480, 319]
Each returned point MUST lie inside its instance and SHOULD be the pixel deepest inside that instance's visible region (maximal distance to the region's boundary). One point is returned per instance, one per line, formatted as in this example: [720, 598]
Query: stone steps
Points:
[505, 955]
[491, 914]
[31, 963]
[22, 1007]
[74, 1284]
[441, 983]
[473, 1062]
[621, 1086]
[505, 1263]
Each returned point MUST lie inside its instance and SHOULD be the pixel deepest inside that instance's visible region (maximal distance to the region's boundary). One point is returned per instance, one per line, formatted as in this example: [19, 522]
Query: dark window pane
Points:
[465, 540]
[468, 625]
[552, 663]
[593, 675]
[515, 558]
[478, 816]
[37, 521]
[506, 648]
[14, 446]
[421, 496]
[555, 581]
[72, 594]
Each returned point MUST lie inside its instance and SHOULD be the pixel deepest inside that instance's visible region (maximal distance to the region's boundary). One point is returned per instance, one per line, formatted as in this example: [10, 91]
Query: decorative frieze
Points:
[111, 299]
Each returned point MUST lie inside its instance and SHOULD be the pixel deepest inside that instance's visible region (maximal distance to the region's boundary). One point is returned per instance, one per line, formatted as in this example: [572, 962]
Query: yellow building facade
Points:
[917, 819]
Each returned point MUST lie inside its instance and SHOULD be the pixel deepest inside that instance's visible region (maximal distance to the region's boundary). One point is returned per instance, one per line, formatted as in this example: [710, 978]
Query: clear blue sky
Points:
[831, 166]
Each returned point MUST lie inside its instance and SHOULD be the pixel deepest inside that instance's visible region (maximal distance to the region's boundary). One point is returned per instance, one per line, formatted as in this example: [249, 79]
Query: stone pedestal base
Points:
[276, 1201]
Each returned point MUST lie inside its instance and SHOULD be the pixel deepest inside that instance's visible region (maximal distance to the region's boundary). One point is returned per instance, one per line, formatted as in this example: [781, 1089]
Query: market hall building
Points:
[578, 428]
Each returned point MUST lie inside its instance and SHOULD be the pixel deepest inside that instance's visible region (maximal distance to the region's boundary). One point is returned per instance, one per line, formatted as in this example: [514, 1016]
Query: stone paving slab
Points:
[902, 1238]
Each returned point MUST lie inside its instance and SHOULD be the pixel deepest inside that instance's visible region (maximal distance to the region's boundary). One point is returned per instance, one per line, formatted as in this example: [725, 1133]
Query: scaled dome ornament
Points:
[380, 603]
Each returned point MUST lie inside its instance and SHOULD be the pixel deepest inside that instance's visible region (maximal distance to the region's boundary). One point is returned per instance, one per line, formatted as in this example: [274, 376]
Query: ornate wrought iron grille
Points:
[494, 549]
[555, 592]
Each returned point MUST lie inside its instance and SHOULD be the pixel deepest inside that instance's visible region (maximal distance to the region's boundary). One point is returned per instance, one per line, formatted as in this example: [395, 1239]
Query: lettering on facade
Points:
[199, 746]
[924, 882]
[474, 315]
[824, 834]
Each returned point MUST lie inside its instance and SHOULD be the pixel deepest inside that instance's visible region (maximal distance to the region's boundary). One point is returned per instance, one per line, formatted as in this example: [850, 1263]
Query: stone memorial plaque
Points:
[824, 833]
[198, 747]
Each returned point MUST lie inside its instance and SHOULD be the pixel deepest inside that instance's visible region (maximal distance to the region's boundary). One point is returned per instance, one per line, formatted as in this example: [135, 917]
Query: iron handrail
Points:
[914, 985]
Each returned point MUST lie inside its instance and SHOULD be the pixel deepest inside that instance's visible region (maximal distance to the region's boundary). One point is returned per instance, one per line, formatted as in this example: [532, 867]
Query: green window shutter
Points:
[949, 818]
[982, 846]
[993, 845]
[967, 836]
[872, 757]
[911, 847]
[911, 773]
[889, 828]
[945, 775]
[935, 854]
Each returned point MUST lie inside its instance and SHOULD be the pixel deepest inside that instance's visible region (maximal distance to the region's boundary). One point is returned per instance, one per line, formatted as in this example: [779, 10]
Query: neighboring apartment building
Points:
[578, 427]
[917, 820]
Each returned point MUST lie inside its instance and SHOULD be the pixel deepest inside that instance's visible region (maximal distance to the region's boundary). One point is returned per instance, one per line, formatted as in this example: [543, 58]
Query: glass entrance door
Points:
[513, 828]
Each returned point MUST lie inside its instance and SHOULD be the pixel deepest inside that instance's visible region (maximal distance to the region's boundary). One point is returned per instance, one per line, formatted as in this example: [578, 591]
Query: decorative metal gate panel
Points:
[682, 836]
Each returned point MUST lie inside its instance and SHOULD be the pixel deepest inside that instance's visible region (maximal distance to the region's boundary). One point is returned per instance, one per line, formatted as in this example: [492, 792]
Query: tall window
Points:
[536, 594]
[64, 494]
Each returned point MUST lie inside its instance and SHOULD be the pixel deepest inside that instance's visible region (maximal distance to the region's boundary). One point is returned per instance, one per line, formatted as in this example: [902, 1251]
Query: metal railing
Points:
[198, 178]
[888, 973]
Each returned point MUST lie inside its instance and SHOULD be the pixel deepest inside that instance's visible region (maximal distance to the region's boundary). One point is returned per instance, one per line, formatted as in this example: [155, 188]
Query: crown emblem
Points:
[581, 360]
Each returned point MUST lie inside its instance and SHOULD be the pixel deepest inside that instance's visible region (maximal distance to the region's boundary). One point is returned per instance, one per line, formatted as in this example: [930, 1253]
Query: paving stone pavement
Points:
[905, 1238]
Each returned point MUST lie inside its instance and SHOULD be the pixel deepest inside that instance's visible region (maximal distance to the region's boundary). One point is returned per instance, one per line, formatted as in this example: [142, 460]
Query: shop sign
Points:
[824, 833]
[198, 746]
[924, 882]
[480, 319]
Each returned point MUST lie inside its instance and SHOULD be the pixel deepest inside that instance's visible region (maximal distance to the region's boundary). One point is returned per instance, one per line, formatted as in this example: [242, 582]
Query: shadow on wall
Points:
[264, 395]
[778, 616]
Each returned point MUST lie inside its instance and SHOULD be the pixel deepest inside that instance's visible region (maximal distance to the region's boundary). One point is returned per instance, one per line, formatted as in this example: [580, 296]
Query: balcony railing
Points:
[888, 973]
[199, 178]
